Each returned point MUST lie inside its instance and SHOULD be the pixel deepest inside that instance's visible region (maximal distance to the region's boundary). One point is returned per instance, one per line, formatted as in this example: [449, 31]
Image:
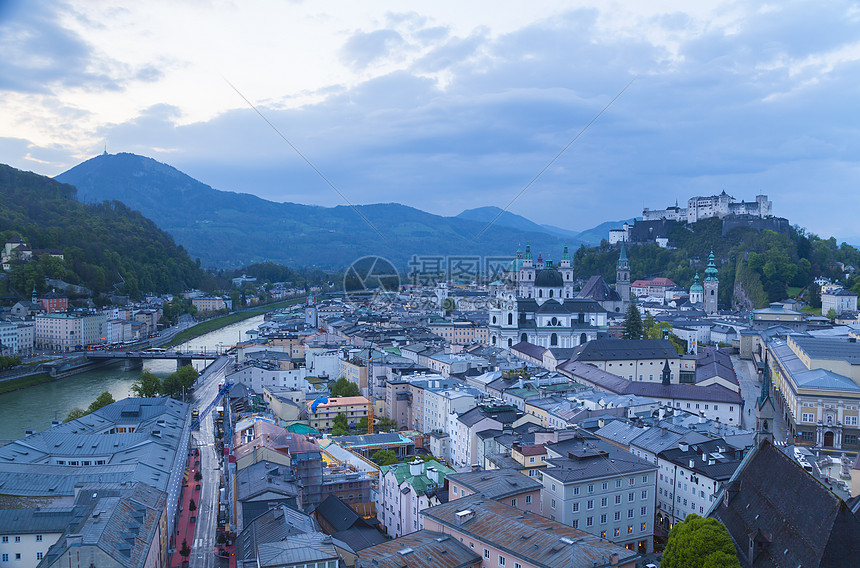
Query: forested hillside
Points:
[106, 247]
[768, 266]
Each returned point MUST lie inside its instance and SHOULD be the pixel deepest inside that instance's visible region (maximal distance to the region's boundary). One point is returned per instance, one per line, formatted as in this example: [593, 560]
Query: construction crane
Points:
[370, 389]
[225, 388]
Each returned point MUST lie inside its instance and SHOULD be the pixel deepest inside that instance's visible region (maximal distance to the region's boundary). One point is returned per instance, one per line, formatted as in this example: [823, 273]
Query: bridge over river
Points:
[136, 358]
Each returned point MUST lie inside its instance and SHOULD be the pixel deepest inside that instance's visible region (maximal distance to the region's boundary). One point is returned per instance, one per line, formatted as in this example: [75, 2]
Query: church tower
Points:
[622, 276]
[764, 411]
[711, 287]
[527, 275]
[697, 292]
[566, 269]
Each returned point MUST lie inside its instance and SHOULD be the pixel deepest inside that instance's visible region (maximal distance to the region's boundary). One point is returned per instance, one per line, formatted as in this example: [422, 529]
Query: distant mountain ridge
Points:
[227, 229]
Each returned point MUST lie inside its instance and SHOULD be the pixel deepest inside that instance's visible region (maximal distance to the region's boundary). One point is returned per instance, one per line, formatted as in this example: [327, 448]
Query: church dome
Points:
[549, 278]
[696, 287]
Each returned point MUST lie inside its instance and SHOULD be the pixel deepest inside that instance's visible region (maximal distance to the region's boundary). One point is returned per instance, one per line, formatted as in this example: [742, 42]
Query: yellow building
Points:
[322, 418]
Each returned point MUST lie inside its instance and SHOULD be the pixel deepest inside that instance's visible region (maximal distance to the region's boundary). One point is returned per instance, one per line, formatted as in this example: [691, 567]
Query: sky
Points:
[447, 106]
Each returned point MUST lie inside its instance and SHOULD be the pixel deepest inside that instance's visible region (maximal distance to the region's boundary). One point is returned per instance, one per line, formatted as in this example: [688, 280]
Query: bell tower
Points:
[622, 276]
[711, 286]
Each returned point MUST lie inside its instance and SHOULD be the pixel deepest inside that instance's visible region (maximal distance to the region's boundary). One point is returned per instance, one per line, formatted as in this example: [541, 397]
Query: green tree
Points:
[343, 387]
[147, 385]
[74, 414]
[362, 424]
[340, 422]
[384, 457]
[198, 476]
[386, 424]
[698, 542]
[831, 314]
[632, 323]
[187, 375]
[192, 506]
[103, 399]
[185, 550]
[171, 385]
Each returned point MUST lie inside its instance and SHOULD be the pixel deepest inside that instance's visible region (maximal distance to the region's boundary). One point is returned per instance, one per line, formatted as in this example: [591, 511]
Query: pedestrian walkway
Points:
[185, 517]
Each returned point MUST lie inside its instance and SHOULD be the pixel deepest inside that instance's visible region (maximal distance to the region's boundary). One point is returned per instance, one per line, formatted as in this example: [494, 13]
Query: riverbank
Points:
[217, 323]
[25, 382]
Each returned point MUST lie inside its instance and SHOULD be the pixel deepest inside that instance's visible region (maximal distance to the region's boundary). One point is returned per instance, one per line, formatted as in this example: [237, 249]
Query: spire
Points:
[528, 253]
[667, 374]
[711, 270]
[623, 255]
[35, 298]
[565, 255]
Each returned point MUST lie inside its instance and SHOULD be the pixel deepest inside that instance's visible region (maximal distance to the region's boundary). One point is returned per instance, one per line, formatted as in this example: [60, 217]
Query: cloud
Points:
[363, 49]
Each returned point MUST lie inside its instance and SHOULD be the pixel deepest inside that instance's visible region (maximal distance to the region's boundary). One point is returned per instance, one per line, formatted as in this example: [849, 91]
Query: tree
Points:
[632, 323]
[103, 399]
[343, 387]
[340, 422]
[362, 424]
[386, 424]
[698, 542]
[146, 386]
[384, 457]
[74, 414]
[185, 551]
[192, 506]
[831, 314]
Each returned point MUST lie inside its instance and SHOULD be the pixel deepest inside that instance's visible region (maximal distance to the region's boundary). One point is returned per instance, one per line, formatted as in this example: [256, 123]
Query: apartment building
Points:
[322, 417]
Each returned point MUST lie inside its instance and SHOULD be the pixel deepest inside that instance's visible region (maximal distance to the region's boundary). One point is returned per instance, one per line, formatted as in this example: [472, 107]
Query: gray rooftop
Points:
[298, 549]
[496, 483]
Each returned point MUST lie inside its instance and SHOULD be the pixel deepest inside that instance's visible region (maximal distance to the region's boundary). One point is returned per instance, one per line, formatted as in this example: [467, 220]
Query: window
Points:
[552, 503]
[643, 511]
[629, 529]
[532, 459]
[17, 539]
[39, 555]
[5, 558]
[602, 534]
[553, 486]
[575, 507]
[5, 539]
[501, 560]
[575, 523]
[38, 538]
[605, 486]
[632, 481]
[17, 556]
[517, 565]
[528, 499]
[603, 501]
[486, 554]
[576, 490]
[591, 488]
[617, 532]
[618, 499]
[629, 513]
[807, 417]
[513, 502]
[617, 515]
[644, 494]
[644, 479]
[631, 496]
[603, 519]
[589, 521]
[590, 504]
[643, 527]
[851, 421]
[617, 483]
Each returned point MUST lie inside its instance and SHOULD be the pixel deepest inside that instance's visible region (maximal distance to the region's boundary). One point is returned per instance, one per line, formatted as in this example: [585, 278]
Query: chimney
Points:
[416, 467]
[433, 474]
[692, 463]
[701, 417]
[683, 446]
[613, 559]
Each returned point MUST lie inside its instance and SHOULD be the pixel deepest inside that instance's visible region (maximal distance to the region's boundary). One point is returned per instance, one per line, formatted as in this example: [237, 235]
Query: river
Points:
[33, 408]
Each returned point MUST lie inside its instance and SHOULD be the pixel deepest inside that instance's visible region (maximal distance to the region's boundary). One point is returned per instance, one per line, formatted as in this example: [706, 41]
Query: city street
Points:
[203, 546]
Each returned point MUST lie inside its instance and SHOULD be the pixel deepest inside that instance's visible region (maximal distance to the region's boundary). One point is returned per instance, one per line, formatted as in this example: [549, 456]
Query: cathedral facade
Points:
[541, 307]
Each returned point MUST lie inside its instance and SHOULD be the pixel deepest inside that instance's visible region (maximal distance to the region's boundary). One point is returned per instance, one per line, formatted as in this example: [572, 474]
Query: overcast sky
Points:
[446, 106]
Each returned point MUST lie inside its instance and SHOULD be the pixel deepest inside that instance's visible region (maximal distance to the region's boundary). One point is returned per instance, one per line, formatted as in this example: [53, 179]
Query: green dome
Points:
[696, 287]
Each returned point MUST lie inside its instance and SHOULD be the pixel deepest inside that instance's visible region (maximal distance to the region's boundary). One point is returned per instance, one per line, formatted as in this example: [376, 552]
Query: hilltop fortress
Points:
[722, 206]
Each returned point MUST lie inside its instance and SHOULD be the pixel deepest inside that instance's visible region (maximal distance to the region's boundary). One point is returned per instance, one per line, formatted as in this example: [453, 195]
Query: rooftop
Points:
[496, 483]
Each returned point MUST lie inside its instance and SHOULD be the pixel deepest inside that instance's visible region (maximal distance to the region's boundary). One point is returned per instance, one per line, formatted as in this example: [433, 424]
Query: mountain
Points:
[227, 229]
[514, 221]
[105, 246]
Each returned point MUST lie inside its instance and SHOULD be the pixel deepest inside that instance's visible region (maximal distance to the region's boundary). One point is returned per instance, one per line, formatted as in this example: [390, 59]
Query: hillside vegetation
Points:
[106, 247]
[763, 265]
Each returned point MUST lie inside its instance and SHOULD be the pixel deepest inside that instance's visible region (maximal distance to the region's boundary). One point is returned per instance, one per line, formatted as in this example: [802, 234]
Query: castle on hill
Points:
[721, 206]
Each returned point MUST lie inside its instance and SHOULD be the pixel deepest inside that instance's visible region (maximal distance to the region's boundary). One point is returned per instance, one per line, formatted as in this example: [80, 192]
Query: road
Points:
[203, 547]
